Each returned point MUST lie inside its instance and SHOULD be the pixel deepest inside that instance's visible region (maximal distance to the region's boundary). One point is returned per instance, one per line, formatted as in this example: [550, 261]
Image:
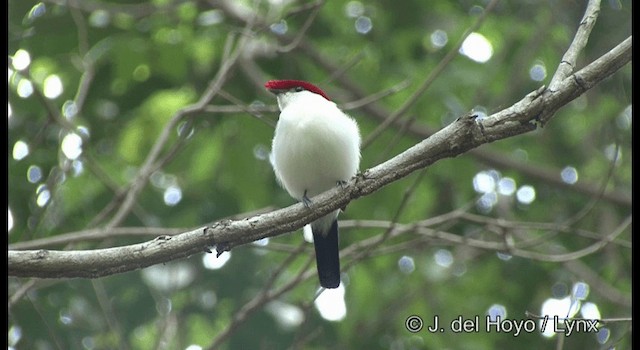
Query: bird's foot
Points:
[305, 200]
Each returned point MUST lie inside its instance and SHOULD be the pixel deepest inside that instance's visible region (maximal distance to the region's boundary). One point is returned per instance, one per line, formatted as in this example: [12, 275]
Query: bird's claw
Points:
[305, 200]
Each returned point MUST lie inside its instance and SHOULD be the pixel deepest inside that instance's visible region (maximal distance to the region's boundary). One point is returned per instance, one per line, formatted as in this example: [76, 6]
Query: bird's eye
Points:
[298, 89]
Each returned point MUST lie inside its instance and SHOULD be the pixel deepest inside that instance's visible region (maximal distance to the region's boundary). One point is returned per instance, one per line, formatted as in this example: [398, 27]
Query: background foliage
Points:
[127, 67]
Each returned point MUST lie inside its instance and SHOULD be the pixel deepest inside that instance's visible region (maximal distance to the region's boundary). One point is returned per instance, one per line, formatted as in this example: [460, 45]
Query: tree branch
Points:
[453, 52]
[150, 163]
[486, 156]
[464, 134]
[568, 63]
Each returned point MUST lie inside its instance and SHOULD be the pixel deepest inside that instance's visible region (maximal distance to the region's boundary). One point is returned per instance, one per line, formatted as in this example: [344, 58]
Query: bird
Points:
[315, 147]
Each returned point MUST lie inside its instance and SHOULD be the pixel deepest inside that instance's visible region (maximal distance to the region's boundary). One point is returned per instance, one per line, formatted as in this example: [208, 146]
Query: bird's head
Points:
[288, 90]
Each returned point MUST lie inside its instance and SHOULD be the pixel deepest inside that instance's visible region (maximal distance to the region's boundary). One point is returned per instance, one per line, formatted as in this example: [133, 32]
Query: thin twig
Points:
[409, 191]
[429, 80]
[149, 164]
[257, 303]
[315, 9]
[107, 311]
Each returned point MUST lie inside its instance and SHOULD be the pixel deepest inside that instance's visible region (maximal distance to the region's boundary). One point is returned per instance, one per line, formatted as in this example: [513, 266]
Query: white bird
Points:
[315, 147]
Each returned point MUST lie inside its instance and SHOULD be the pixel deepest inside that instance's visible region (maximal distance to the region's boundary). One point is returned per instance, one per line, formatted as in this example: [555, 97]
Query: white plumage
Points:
[315, 147]
[315, 144]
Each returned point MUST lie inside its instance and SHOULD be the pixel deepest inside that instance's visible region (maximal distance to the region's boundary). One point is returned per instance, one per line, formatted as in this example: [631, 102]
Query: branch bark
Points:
[466, 133]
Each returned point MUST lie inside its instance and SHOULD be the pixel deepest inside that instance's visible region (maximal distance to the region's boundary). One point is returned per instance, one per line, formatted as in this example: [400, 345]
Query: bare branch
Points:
[108, 312]
[315, 9]
[495, 245]
[98, 234]
[150, 163]
[429, 80]
[95, 234]
[258, 302]
[455, 139]
[484, 155]
[591, 75]
[568, 63]
[596, 282]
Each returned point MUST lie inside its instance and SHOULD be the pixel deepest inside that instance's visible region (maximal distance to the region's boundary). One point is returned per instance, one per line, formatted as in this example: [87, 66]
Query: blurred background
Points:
[510, 228]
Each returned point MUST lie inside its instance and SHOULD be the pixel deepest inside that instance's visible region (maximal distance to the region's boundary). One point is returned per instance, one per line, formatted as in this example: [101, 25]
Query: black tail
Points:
[327, 256]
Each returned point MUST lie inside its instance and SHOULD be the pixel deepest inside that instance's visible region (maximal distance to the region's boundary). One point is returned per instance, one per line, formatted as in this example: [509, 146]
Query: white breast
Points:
[315, 144]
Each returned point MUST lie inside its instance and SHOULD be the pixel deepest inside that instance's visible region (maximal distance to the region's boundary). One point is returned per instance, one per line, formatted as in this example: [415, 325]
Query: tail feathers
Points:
[327, 256]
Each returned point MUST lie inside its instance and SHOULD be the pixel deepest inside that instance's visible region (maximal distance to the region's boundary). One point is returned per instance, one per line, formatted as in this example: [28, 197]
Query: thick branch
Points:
[491, 158]
[462, 135]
